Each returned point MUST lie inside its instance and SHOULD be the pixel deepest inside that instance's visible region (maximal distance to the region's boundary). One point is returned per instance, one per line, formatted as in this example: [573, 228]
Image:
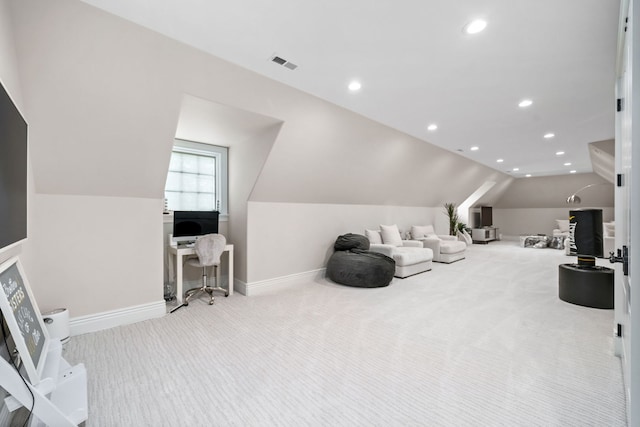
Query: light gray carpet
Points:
[481, 342]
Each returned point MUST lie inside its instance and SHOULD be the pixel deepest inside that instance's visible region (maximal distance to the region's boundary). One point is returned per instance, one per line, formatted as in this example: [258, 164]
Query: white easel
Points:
[60, 397]
[59, 390]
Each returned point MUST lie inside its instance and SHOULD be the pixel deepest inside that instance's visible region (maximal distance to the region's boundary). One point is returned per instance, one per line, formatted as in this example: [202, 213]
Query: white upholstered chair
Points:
[410, 256]
[209, 248]
[446, 249]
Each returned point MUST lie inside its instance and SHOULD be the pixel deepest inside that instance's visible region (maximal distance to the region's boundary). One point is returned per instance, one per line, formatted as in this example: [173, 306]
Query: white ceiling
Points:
[417, 67]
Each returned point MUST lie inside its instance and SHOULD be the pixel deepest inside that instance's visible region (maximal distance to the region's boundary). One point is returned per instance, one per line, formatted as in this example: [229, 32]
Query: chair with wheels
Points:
[209, 248]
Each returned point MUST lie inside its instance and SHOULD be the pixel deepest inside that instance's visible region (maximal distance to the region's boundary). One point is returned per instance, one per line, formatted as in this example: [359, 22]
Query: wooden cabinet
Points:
[484, 235]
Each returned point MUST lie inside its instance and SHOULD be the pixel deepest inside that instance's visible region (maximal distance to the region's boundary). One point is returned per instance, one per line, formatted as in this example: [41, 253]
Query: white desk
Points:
[178, 252]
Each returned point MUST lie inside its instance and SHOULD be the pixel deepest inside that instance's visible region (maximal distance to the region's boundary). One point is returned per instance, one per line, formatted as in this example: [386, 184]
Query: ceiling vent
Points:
[281, 61]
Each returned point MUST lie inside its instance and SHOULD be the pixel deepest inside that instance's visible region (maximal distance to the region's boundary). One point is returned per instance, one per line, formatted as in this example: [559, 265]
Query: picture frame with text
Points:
[23, 318]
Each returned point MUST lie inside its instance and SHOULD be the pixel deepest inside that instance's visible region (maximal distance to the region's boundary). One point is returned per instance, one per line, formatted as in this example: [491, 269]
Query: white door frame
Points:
[626, 202]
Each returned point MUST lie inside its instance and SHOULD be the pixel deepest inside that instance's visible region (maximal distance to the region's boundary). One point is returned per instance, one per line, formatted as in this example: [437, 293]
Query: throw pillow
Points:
[373, 236]
[563, 224]
[421, 231]
[391, 235]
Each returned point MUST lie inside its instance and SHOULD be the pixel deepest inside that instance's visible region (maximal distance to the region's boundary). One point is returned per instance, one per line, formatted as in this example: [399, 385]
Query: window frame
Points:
[221, 154]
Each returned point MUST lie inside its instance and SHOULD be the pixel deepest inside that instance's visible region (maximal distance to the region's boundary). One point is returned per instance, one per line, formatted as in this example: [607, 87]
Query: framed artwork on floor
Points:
[22, 316]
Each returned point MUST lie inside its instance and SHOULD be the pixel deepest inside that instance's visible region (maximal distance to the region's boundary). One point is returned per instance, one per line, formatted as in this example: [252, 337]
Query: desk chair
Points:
[208, 248]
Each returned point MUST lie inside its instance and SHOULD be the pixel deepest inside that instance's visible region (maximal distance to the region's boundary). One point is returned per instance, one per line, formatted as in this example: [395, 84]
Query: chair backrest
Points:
[209, 248]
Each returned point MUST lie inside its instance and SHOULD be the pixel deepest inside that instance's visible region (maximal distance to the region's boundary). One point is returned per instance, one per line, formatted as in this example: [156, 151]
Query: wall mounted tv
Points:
[13, 172]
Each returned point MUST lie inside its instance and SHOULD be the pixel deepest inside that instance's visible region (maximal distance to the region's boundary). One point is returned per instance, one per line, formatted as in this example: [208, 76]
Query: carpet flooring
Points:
[481, 342]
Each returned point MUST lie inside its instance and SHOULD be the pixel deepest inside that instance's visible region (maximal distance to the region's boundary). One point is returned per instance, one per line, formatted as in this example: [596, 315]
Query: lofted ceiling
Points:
[417, 67]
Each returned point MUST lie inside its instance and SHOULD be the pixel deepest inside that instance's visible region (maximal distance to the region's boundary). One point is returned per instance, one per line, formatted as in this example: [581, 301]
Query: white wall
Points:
[94, 254]
[514, 222]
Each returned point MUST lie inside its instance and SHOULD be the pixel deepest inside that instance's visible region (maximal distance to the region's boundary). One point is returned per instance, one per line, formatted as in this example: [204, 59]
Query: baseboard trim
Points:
[277, 284]
[110, 319]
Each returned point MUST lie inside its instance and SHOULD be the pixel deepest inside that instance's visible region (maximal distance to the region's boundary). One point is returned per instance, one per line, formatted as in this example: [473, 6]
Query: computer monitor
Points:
[188, 225]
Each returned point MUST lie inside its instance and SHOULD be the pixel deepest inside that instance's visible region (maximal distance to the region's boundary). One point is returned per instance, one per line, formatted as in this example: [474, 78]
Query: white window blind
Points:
[196, 180]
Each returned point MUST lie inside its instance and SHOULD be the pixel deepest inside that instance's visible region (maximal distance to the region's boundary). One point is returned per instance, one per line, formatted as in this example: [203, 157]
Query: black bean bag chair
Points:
[353, 265]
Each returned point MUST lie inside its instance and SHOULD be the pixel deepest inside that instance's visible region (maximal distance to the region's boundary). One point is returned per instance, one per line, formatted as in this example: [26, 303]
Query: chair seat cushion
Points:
[411, 256]
[452, 246]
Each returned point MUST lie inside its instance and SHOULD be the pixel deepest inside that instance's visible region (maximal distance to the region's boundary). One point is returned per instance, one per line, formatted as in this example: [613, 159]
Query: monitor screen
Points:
[13, 172]
[188, 225]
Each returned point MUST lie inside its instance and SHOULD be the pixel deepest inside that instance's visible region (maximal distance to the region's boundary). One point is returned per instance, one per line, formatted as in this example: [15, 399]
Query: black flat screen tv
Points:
[13, 172]
[188, 225]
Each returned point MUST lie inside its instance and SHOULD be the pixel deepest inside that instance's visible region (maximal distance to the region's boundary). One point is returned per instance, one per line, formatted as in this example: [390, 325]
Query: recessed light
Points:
[572, 171]
[528, 175]
[525, 103]
[516, 169]
[500, 160]
[475, 26]
[559, 153]
[549, 135]
[355, 86]
[568, 164]
[474, 148]
[432, 127]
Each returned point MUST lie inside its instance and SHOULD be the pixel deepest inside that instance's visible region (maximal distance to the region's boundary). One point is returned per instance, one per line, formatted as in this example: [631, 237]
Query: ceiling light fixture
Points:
[474, 148]
[432, 127]
[559, 153]
[355, 86]
[572, 171]
[525, 103]
[516, 169]
[475, 26]
[528, 175]
[568, 164]
[549, 135]
[500, 160]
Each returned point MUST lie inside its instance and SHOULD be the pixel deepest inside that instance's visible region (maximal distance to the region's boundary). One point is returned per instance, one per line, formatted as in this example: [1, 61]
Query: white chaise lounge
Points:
[446, 249]
[410, 256]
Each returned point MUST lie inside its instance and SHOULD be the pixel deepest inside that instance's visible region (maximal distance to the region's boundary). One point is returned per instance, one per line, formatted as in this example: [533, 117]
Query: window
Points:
[197, 177]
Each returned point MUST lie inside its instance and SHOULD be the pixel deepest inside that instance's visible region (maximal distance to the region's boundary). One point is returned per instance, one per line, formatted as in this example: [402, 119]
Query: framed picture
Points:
[23, 318]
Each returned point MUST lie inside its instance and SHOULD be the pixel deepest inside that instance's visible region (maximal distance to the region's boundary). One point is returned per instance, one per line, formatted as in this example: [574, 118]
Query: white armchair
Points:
[410, 256]
[446, 249]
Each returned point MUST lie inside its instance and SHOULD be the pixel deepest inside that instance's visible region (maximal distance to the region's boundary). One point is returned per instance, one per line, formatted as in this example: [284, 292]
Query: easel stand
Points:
[60, 397]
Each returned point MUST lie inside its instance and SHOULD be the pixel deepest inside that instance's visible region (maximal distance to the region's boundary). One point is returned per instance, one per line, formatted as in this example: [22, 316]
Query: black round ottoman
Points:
[586, 286]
